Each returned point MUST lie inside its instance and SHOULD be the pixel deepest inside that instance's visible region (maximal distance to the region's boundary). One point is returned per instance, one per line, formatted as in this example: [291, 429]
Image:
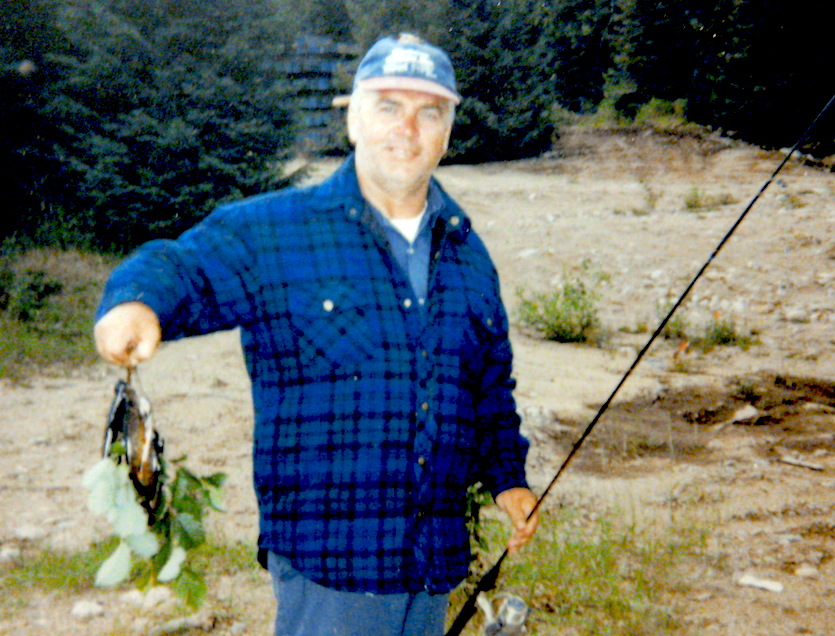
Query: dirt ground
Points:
[741, 439]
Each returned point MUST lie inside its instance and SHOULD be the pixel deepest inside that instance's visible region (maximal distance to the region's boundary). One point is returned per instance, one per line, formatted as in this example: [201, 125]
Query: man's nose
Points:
[408, 125]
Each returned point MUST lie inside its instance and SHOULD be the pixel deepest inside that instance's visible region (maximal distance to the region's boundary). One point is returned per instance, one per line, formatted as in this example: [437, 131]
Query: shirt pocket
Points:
[335, 321]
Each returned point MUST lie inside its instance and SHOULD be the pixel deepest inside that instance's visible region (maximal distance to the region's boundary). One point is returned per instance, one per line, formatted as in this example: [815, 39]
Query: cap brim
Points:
[400, 84]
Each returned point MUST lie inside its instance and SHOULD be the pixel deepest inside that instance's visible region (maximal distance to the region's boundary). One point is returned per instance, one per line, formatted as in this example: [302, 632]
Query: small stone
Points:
[749, 580]
[748, 414]
[30, 533]
[9, 554]
[204, 622]
[796, 314]
[238, 628]
[87, 609]
[133, 597]
[224, 587]
[155, 596]
[806, 571]
[786, 539]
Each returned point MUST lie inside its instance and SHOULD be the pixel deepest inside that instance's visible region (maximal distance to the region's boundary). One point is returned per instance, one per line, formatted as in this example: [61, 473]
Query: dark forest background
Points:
[125, 120]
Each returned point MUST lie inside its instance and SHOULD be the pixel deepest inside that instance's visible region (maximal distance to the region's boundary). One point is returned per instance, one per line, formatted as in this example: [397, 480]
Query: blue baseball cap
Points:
[405, 63]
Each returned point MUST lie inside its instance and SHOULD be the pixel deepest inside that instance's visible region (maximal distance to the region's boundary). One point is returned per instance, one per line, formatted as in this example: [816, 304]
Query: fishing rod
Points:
[488, 581]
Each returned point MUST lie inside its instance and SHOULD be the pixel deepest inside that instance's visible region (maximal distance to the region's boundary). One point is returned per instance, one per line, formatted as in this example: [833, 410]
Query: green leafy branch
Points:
[162, 547]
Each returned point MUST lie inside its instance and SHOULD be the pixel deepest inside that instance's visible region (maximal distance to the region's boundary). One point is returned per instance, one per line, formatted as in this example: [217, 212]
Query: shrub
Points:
[165, 111]
[724, 332]
[568, 314]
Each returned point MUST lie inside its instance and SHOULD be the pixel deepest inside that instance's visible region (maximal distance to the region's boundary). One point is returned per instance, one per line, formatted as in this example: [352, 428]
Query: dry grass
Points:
[48, 299]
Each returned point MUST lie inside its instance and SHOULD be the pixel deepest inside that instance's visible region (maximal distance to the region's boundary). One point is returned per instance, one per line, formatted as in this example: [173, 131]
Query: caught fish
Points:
[130, 423]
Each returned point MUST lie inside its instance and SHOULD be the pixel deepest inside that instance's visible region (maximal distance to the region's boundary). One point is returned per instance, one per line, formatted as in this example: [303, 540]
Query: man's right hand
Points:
[128, 334]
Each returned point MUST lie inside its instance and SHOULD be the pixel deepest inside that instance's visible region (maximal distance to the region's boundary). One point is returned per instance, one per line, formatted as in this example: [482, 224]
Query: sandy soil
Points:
[611, 208]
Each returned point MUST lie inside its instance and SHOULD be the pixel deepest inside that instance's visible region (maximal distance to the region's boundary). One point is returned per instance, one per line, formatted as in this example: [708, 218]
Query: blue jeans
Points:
[308, 609]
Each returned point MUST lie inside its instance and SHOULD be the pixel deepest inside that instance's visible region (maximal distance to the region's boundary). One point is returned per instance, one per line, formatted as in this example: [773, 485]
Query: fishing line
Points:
[488, 581]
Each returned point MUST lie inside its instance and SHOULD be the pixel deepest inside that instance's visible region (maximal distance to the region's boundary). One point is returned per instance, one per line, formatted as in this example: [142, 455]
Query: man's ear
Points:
[446, 140]
[352, 122]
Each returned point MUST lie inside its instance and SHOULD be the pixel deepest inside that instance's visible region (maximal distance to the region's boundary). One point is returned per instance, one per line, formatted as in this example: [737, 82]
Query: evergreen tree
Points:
[504, 67]
[30, 40]
[169, 110]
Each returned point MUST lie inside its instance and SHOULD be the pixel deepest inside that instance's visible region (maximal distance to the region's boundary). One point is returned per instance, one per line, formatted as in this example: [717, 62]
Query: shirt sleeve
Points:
[503, 449]
[196, 284]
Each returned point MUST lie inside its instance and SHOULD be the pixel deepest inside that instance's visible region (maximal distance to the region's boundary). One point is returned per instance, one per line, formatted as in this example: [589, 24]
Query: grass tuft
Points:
[567, 314]
[596, 578]
[48, 299]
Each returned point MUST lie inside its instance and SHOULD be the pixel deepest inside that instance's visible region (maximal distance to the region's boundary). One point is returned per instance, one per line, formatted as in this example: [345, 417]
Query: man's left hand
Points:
[518, 503]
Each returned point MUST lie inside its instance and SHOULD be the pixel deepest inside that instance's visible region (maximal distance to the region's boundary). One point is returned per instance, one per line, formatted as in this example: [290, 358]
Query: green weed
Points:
[65, 573]
[595, 579]
[697, 201]
[568, 314]
[724, 332]
[677, 328]
[58, 571]
[47, 303]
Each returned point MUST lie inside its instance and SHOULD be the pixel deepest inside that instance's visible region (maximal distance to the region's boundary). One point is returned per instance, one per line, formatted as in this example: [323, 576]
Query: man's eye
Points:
[431, 114]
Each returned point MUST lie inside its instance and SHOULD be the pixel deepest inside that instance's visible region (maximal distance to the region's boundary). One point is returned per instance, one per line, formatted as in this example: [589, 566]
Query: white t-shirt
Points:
[409, 227]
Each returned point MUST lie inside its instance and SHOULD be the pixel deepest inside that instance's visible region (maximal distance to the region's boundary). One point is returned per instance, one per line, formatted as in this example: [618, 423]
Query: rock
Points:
[796, 314]
[133, 597]
[807, 571]
[30, 533]
[155, 596]
[238, 628]
[786, 539]
[202, 621]
[84, 610]
[748, 414]
[818, 407]
[223, 588]
[749, 580]
[9, 554]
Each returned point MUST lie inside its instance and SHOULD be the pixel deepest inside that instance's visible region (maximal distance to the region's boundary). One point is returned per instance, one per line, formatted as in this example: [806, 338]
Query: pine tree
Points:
[169, 110]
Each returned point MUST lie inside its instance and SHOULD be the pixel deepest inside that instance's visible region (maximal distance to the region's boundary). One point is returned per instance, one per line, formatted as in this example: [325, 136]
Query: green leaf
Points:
[102, 482]
[216, 499]
[189, 531]
[187, 493]
[171, 570]
[191, 588]
[215, 481]
[116, 569]
[144, 545]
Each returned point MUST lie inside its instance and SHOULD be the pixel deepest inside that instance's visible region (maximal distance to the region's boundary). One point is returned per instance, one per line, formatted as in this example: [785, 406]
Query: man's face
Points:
[399, 136]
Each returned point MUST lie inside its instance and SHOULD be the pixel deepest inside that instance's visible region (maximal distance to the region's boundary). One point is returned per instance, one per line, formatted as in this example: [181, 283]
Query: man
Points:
[378, 351]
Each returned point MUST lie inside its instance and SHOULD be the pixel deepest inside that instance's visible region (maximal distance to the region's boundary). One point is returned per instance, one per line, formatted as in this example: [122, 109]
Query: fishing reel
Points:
[510, 618]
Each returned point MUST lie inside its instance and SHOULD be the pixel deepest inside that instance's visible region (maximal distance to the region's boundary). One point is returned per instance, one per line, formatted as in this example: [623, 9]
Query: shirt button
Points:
[437, 255]
[353, 213]
[328, 305]
[421, 461]
[407, 303]
[455, 221]
[425, 355]
[489, 322]
[425, 406]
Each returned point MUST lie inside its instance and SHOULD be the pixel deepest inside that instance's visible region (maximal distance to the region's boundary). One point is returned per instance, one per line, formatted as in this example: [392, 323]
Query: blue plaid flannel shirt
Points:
[370, 422]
